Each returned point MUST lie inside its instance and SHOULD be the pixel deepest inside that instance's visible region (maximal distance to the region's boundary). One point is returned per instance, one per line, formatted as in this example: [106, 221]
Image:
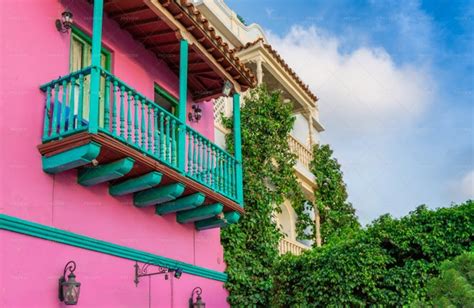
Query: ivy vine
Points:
[250, 247]
[337, 215]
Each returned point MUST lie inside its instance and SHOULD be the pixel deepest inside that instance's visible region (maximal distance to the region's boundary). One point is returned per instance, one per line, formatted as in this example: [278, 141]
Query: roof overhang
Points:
[160, 24]
[284, 75]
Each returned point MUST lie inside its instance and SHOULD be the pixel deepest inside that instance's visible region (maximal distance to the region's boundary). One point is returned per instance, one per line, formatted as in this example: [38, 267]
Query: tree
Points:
[390, 263]
[337, 214]
[454, 287]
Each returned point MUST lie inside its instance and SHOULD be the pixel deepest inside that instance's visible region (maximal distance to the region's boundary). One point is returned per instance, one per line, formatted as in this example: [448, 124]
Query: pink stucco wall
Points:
[33, 52]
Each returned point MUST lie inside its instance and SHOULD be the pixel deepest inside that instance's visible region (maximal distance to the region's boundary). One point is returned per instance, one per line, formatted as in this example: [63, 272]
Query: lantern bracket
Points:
[143, 271]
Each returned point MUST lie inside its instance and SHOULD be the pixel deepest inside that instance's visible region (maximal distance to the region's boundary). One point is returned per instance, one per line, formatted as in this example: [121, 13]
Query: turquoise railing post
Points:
[95, 73]
[47, 110]
[238, 150]
[183, 88]
[80, 103]
[107, 103]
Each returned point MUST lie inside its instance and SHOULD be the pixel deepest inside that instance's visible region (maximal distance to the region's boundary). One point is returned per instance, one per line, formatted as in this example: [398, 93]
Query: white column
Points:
[259, 72]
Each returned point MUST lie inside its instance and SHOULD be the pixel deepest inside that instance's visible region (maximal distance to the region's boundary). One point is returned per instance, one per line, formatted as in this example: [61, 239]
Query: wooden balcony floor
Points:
[113, 150]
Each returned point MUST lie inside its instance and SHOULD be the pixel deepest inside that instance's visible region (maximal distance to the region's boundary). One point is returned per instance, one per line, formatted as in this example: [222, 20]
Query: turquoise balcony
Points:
[139, 149]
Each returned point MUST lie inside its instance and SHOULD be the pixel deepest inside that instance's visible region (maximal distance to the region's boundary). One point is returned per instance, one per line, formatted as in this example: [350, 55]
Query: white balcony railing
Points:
[305, 155]
[292, 247]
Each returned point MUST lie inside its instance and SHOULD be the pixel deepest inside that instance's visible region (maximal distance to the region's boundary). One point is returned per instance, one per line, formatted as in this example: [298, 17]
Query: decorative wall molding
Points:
[18, 225]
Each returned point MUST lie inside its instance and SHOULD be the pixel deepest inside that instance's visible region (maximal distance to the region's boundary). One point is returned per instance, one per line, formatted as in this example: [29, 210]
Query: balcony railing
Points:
[304, 154]
[130, 117]
[293, 247]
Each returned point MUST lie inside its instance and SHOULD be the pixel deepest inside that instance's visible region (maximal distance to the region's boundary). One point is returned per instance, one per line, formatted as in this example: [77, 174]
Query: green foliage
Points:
[454, 287]
[250, 247]
[337, 215]
[387, 264]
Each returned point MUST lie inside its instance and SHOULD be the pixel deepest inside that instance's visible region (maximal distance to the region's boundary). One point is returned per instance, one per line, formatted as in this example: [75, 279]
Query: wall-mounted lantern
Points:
[64, 24]
[198, 303]
[196, 114]
[69, 289]
[143, 271]
[227, 88]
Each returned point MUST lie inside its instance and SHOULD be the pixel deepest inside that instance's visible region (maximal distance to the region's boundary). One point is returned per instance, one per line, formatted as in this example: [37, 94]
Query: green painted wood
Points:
[157, 140]
[168, 139]
[114, 108]
[181, 204]
[80, 103]
[129, 116]
[217, 222]
[71, 159]
[143, 135]
[72, 91]
[54, 125]
[238, 149]
[162, 136]
[62, 119]
[195, 166]
[122, 113]
[107, 103]
[158, 195]
[47, 110]
[135, 121]
[136, 184]
[150, 129]
[210, 223]
[95, 63]
[103, 173]
[174, 152]
[183, 90]
[48, 233]
[200, 213]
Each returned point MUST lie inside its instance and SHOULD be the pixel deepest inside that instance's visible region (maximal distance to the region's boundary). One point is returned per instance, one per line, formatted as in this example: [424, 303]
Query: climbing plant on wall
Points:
[337, 214]
[250, 247]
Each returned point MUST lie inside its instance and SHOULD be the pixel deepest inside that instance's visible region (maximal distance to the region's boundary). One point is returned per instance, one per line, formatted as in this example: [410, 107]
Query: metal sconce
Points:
[196, 114]
[198, 303]
[227, 88]
[65, 23]
[143, 271]
[69, 289]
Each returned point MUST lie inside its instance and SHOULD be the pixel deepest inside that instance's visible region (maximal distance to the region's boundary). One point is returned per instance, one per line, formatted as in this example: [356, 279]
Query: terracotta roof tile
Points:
[282, 62]
[224, 50]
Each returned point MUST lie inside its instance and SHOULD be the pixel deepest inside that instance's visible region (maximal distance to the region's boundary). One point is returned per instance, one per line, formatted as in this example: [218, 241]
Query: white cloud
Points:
[466, 187]
[360, 91]
[371, 107]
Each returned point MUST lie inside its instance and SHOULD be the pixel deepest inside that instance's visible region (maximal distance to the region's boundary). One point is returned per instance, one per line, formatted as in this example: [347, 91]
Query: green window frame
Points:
[168, 97]
[86, 39]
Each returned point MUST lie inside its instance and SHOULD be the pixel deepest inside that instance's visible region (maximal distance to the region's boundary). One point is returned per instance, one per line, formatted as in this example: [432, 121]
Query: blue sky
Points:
[396, 83]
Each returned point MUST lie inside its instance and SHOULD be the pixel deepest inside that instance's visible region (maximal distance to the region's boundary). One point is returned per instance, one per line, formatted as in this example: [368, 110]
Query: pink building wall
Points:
[33, 52]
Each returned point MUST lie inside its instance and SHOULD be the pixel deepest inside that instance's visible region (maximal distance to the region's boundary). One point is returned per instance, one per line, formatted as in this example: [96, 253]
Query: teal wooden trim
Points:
[181, 204]
[158, 195]
[136, 184]
[210, 223]
[200, 213]
[183, 88]
[58, 81]
[167, 95]
[95, 63]
[103, 173]
[21, 226]
[71, 159]
[238, 149]
[217, 222]
[232, 217]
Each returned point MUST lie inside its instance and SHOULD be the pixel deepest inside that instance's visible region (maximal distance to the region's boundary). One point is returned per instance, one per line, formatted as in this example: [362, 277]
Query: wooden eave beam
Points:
[135, 10]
